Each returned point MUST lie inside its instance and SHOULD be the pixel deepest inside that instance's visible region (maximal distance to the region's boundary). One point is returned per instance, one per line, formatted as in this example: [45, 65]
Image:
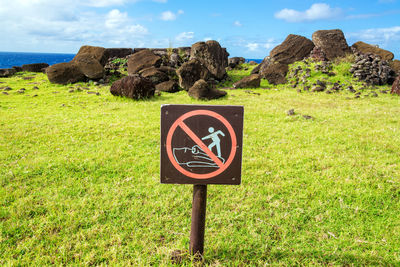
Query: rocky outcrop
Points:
[35, 67]
[235, 61]
[372, 69]
[168, 86]
[292, 49]
[365, 48]
[202, 90]
[332, 42]
[134, 87]
[95, 52]
[64, 73]
[154, 75]
[192, 71]
[396, 86]
[142, 60]
[117, 53]
[317, 54]
[7, 72]
[275, 73]
[213, 56]
[395, 65]
[252, 81]
[89, 66]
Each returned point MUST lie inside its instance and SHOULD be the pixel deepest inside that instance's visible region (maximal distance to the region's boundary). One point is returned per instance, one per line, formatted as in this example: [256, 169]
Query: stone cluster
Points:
[372, 69]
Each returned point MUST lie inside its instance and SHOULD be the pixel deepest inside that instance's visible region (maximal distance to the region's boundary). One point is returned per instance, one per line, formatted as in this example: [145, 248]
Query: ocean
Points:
[10, 59]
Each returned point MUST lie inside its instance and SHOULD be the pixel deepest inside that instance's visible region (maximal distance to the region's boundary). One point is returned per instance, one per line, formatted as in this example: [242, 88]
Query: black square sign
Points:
[201, 144]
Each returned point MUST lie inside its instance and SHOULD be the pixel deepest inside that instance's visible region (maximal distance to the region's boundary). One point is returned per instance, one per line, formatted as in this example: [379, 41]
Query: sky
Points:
[246, 28]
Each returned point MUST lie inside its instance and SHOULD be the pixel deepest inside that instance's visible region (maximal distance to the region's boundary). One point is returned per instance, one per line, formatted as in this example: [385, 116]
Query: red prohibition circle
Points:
[197, 113]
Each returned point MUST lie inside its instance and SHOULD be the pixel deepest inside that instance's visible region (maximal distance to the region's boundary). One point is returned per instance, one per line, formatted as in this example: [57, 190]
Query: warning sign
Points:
[201, 144]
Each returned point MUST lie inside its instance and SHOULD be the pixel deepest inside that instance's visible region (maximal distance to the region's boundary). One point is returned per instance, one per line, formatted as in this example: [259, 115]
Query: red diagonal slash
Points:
[200, 143]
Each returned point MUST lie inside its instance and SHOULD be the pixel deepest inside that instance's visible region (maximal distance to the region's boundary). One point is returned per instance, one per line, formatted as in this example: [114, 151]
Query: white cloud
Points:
[261, 45]
[237, 23]
[105, 3]
[318, 11]
[169, 15]
[185, 37]
[207, 39]
[253, 46]
[377, 35]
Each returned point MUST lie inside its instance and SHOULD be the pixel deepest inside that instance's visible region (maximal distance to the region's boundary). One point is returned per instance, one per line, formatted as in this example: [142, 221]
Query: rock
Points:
[35, 67]
[332, 43]
[396, 86]
[142, 60]
[252, 81]
[192, 71]
[292, 49]
[252, 63]
[155, 75]
[171, 72]
[213, 56]
[134, 87]
[117, 52]
[64, 73]
[89, 66]
[395, 65]
[317, 54]
[95, 52]
[202, 90]
[365, 48]
[4, 93]
[17, 68]
[290, 112]
[7, 72]
[275, 73]
[168, 86]
[235, 61]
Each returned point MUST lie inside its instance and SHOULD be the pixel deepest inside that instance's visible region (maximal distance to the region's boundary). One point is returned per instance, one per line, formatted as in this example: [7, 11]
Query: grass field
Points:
[79, 177]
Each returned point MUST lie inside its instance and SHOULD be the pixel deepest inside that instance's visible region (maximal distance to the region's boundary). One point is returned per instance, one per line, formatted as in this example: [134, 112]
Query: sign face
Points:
[201, 144]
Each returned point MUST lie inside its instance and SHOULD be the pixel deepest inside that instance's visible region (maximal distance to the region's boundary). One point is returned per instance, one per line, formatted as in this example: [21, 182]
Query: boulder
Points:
[234, 61]
[134, 87]
[7, 72]
[202, 90]
[252, 63]
[365, 48]
[155, 75]
[395, 65]
[89, 66]
[117, 52]
[64, 73]
[142, 60]
[17, 68]
[292, 49]
[252, 81]
[214, 57]
[95, 52]
[170, 71]
[317, 54]
[168, 86]
[332, 42]
[192, 71]
[396, 86]
[35, 67]
[275, 73]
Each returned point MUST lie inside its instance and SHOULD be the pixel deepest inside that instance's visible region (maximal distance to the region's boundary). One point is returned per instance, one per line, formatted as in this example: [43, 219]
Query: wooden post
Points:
[198, 219]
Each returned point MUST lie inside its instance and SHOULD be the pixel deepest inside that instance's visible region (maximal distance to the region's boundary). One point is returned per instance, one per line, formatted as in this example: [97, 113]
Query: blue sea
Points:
[10, 59]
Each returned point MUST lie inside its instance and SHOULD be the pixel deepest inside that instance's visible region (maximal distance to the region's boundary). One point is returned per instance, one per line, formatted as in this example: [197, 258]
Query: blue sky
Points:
[246, 28]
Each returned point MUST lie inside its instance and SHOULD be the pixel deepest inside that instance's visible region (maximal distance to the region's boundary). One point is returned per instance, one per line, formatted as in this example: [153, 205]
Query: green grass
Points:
[79, 177]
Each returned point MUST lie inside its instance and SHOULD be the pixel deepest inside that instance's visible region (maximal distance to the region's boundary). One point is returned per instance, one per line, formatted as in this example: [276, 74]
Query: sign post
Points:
[201, 145]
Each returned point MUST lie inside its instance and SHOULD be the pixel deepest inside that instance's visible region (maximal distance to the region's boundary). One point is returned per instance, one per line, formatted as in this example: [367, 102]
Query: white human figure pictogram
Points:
[215, 139]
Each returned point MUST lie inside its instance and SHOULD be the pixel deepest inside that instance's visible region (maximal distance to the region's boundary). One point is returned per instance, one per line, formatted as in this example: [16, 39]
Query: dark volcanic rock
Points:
[202, 90]
[154, 74]
[168, 86]
[292, 49]
[365, 48]
[214, 57]
[17, 68]
[192, 71]
[95, 52]
[89, 66]
[7, 72]
[64, 73]
[117, 52]
[134, 87]
[252, 81]
[35, 67]
[396, 86]
[332, 42]
[317, 54]
[395, 65]
[142, 60]
[235, 61]
[275, 73]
